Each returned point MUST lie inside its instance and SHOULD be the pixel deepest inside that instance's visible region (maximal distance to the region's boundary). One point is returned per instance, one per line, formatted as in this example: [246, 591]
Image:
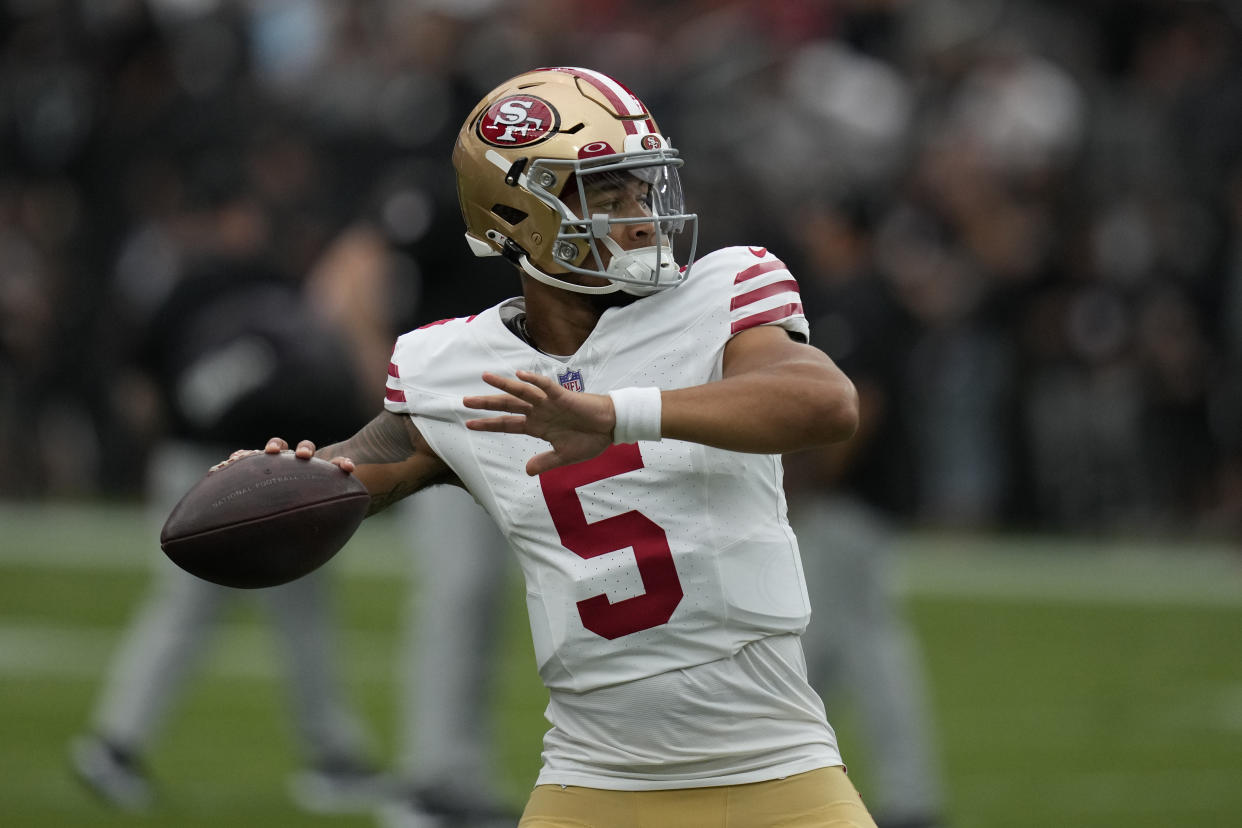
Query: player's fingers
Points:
[544, 384]
[497, 402]
[344, 464]
[305, 450]
[507, 425]
[275, 446]
[522, 390]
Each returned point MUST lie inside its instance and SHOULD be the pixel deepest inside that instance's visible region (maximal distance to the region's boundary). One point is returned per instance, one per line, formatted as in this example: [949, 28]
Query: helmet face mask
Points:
[557, 135]
[584, 243]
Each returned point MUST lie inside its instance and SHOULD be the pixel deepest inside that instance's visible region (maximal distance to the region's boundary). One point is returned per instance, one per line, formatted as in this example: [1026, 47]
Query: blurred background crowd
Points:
[1022, 220]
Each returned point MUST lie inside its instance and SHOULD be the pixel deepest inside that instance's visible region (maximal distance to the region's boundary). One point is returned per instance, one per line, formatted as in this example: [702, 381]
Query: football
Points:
[263, 520]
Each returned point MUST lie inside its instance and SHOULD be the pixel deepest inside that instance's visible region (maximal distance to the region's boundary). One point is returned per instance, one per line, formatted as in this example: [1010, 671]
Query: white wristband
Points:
[638, 414]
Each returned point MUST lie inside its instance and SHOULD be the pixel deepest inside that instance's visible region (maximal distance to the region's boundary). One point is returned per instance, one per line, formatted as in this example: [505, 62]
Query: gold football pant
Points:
[823, 798]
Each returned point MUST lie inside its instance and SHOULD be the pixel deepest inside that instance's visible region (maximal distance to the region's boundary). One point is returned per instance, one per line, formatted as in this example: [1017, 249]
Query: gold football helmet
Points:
[536, 135]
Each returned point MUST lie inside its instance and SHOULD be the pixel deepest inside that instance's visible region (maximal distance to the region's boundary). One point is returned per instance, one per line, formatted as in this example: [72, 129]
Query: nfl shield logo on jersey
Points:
[571, 380]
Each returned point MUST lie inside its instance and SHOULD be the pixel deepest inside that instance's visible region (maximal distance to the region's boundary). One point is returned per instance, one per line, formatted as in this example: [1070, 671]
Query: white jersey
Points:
[652, 557]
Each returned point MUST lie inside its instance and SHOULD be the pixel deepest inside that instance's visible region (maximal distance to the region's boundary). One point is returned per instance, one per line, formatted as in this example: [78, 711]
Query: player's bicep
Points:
[770, 348]
[391, 458]
[796, 385]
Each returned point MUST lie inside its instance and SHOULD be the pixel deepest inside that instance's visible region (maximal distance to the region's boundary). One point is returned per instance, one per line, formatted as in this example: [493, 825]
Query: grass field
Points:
[1072, 684]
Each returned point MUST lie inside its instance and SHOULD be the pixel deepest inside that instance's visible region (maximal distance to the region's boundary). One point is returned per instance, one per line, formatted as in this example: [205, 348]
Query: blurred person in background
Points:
[862, 654]
[229, 344]
[445, 774]
[845, 500]
[236, 309]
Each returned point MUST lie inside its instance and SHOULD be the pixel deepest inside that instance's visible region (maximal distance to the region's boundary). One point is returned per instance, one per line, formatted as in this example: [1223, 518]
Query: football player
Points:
[622, 422]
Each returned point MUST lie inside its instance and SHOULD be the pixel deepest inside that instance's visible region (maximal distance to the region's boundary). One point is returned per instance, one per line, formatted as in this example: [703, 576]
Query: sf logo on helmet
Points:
[518, 121]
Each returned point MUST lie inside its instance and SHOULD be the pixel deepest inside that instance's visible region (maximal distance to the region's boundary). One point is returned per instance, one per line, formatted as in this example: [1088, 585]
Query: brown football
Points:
[264, 520]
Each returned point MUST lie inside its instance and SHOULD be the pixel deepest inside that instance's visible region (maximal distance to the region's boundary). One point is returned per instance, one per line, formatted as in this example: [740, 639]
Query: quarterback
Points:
[622, 422]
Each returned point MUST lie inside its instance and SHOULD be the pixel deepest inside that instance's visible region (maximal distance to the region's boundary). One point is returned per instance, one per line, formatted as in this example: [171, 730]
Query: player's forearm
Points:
[390, 458]
[798, 406]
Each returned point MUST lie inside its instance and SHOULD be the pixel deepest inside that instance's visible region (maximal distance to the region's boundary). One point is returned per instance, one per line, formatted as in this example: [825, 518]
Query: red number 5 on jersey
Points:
[632, 529]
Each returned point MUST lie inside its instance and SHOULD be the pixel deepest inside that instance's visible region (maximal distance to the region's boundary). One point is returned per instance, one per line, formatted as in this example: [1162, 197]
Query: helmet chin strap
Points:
[538, 275]
[637, 267]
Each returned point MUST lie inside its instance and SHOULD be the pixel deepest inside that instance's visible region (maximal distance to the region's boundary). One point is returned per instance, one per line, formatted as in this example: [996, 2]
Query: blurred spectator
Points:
[230, 346]
[445, 770]
[231, 342]
[861, 654]
[219, 331]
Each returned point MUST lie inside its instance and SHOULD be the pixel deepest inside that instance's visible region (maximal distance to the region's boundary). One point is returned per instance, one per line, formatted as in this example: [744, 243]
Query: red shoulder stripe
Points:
[764, 317]
[394, 394]
[758, 270]
[750, 297]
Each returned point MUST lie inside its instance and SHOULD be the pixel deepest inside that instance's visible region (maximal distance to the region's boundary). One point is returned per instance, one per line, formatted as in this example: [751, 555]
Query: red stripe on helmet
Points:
[619, 103]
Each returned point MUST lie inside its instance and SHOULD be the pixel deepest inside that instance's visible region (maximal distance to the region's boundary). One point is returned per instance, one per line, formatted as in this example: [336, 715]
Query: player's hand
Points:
[578, 425]
[305, 451]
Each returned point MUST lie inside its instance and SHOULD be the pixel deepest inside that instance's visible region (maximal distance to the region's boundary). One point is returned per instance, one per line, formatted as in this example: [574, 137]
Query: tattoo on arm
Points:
[383, 440]
[393, 441]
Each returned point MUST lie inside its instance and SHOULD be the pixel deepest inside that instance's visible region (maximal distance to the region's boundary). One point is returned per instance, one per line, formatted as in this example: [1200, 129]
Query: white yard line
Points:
[238, 651]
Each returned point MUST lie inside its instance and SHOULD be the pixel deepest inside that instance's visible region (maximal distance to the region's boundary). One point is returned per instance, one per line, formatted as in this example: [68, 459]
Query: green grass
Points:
[1072, 685]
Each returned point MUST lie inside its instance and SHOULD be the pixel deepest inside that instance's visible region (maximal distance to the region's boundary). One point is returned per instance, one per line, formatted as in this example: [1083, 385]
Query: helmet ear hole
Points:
[509, 215]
